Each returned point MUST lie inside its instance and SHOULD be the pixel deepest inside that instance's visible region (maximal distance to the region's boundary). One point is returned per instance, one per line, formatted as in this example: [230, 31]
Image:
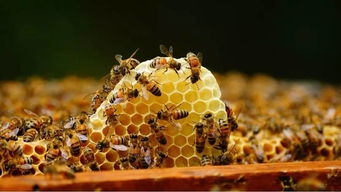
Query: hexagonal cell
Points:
[137, 119]
[181, 162]
[108, 130]
[132, 129]
[155, 107]
[162, 99]
[136, 100]
[107, 166]
[124, 119]
[96, 136]
[221, 114]
[194, 161]
[119, 108]
[191, 140]
[329, 142]
[214, 105]
[41, 167]
[173, 151]
[27, 149]
[120, 130]
[142, 108]
[171, 130]
[205, 94]
[187, 151]
[325, 152]
[35, 159]
[145, 129]
[200, 107]
[267, 147]
[209, 81]
[191, 96]
[185, 106]
[216, 93]
[168, 162]
[176, 98]
[100, 157]
[39, 149]
[194, 117]
[171, 76]
[182, 86]
[180, 140]
[97, 124]
[247, 150]
[279, 149]
[168, 87]
[111, 156]
[129, 108]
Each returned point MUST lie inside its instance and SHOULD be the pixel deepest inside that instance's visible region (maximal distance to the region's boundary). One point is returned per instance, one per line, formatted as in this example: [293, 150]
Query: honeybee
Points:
[107, 86]
[124, 165]
[314, 137]
[223, 144]
[144, 142]
[134, 142]
[97, 99]
[74, 143]
[310, 184]
[127, 64]
[231, 119]
[199, 128]
[212, 131]
[102, 145]
[145, 159]
[287, 182]
[206, 160]
[224, 128]
[50, 132]
[37, 122]
[119, 143]
[30, 135]
[53, 153]
[59, 167]
[11, 129]
[227, 157]
[158, 160]
[161, 63]
[109, 112]
[124, 94]
[24, 165]
[259, 153]
[76, 167]
[200, 143]
[134, 154]
[195, 66]
[90, 160]
[147, 85]
[14, 149]
[115, 74]
[158, 131]
[171, 114]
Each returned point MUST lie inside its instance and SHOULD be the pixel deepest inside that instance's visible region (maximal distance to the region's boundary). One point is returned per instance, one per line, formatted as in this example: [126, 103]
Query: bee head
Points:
[137, 76]
[208, 115]
[199, 125]
[194, 79]
[133, 136]
[136, 93]
[144, 139]
[161, 154]
[151, 121]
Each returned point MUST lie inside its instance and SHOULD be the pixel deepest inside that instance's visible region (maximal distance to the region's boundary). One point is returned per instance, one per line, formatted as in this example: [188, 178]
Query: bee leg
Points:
[176, 72]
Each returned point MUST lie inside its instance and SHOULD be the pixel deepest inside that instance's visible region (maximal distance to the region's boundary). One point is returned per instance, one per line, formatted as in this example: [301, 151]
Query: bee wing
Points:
[14, 132]
[31, 113]
[118, 58]
[25, 166]
[120, 147]
[147, 157]
[64, 154]
[5, 126]
[170, 51]
[176, 124]
[68, 142]
[200, 56]
[164, 50]
[132, 55]
[145, 93]
[82, 137]
[118, 100]
[70, 123]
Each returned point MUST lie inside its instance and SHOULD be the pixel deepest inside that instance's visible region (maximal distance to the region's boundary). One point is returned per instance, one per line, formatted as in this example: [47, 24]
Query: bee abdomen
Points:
[155, 90]
[211, 140]
[180, 114]
[75, 149]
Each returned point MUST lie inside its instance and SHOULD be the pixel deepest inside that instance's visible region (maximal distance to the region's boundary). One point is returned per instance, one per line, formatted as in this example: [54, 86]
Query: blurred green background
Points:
[286, 39]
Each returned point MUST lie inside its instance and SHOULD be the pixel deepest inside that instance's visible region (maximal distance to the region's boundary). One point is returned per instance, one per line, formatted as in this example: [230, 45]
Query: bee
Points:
[74, 143]
[206, 160]
[53, 152]
[51, 132]
[30, 135]
[81, 124]
[14, 149]
[224, 128]
[158, 131]
[171, 114]
[37, 122]
[59, 167]
[11, 129]
[161, 63]
[199, 128]
[314, 137]
[227, 157]
[97, 99]
[195, 66]
[115, 74]
[231, 119]
[310, 184]
[124, 163]
[208, 120]
[160, 157]
[145, 159]
[107, 86]
[212, 131]
[223, 144]
[24, 165]
[134, 142]
[119, 143]
[127, 64]
[102, 145]
[287, 183]
[124, 94]
[200, 143]
[134, 154]
[259, 153]
[144, 142]
[76, 167]
[90, 160]
[109, 112]
[147, 85]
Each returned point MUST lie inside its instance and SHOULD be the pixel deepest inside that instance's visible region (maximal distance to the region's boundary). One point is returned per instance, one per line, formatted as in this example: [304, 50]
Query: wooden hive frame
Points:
[235, 177]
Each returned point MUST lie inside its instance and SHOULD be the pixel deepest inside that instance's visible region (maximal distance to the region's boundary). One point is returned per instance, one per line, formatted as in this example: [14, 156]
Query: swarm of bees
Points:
[136, 121]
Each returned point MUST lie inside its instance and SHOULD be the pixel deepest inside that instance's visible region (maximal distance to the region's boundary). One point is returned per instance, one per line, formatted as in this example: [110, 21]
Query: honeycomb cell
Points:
[107, 167]
[95, 137]
[124, 119]
[214, 105]
[194, 161]
[209, 82]
[205, 94]
[41, 167]
[39, 149]
[247, 150]
[100, 157]
[97, 124]
[137, 119]
[182, 87]
[325, 152]
[200, 107]
[168, 87]
[145, 129]
[173, 151]
[132, 129]
[186, 106]
[216, 93]
[279, 149]
[176, 98]
[120, 130]
[154, 108]
[142, 108]
[180, 140]
[162, 99]
[267, 147]
[191, 139]
[172, 76]
[108, 130]
[129, 108]
[329, 142]
[221, 114]
[194, 117]
[181, 162]
[187, 151]
[172, 130]
[111, 156]
[27, 149]
[35, 159]
[191, 96]
[168, 162]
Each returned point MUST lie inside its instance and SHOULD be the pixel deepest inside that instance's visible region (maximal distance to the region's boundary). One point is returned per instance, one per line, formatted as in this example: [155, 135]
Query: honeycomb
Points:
[196, 99]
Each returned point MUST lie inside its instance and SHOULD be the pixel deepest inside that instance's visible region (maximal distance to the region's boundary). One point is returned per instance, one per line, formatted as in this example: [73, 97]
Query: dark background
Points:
[286, 39]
